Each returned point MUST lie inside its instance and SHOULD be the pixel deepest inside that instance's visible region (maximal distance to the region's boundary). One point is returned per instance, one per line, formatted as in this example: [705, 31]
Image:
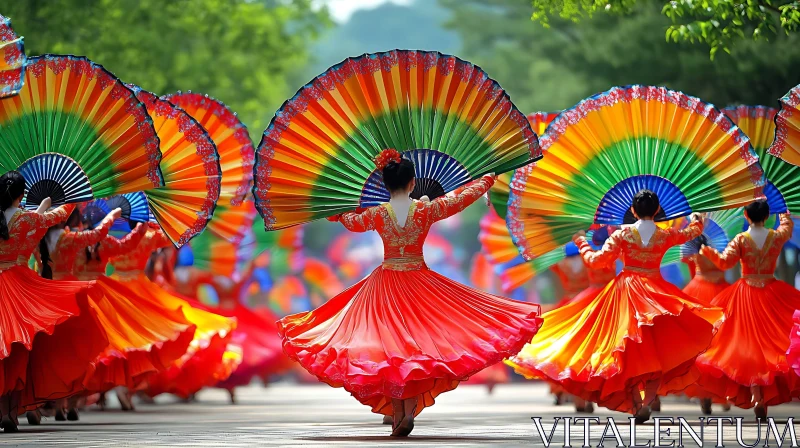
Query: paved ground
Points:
[293, 415]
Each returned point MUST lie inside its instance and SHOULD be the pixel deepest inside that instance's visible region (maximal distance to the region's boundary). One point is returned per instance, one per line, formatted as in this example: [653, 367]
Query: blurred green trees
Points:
[246, 53]
[718, 23]
[552, 69]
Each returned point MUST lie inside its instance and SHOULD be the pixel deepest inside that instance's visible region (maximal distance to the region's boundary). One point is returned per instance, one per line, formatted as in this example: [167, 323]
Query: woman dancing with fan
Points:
[143, 336]
[203, 364]
[387, 340]
[636, 339]
[753, 372]
[50, 339]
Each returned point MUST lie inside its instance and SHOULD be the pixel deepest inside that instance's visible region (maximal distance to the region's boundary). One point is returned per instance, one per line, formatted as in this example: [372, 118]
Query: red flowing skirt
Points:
[793, 354]
[206, 360]
[704, 291]
[49, 338]
[145, 336]
[604, 346]
[261, 347]
[750, 346]
[405, 334]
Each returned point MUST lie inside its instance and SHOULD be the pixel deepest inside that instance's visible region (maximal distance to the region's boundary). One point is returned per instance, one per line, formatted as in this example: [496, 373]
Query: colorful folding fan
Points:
[12, 60]
[316, 157]
[76, 133]
[607, 148]
[230, 222]
[720, 228]
[236, 153]
[787, 132]
[219, 256]
[191, 170]
[495, 239]
[498, 194]
[133, 207]
[783, 179]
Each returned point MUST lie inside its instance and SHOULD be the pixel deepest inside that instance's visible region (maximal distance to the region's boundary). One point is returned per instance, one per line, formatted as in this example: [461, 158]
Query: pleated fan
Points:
[316, 157]
[236, 152]
[190, 166]
[498, 194]
[787, 132]
[75, 132]
[720, 228]
[12, 60]
[218, 255]
[603, 151]
[782, 188]
[133, 207]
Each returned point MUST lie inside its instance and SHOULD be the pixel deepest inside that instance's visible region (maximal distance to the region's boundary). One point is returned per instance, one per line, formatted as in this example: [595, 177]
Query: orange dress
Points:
[638, 328]
[49, 339]
[143, 337]
[707, 279]
[573, 282]
[405, 331]
[205, 362]
[750, 347]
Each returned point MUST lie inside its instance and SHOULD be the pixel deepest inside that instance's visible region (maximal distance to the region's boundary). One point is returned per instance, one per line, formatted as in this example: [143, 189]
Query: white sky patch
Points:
[341, 10]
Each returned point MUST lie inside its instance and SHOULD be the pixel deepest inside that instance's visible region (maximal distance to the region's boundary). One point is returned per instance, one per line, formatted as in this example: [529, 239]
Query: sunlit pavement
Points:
[316, 415]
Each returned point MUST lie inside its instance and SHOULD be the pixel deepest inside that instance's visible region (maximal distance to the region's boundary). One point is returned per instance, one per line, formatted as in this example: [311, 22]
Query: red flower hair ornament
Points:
[386, 156]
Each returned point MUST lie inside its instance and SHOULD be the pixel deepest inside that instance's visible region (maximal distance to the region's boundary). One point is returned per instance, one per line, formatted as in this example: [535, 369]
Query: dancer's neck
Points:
[646, 228]
[401, 204]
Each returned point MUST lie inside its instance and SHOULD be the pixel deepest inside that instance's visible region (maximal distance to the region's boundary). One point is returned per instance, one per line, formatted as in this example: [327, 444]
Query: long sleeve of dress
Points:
[53, 217]
[74, 241]
[603, 258]
[785, 229]
[111, 246]
[691, 264]
[359, 221]
[728, 258]
[447, 206]
[688, 233]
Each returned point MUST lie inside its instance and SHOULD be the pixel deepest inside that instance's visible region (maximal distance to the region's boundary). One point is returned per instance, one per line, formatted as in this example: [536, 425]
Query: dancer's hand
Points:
[697, 217]
[115, 214]
[425, 198]
[44, 205]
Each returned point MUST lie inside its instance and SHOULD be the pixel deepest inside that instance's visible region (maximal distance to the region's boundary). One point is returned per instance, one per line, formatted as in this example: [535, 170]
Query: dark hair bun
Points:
[396, 176]
[645, 204]
[757, 211]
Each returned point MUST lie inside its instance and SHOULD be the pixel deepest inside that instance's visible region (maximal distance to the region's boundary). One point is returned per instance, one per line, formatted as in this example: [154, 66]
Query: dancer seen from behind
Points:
[50, 340]
[753, 372]
[405, 334]
[636, 339]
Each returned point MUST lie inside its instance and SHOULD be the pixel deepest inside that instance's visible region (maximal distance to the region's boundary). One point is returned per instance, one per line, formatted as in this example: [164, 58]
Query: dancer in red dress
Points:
[49, 338]
[405, 334]
[143, 337]
[746, 364]
[572, 274]
[707, 279]
[204, 363]
[636, 339]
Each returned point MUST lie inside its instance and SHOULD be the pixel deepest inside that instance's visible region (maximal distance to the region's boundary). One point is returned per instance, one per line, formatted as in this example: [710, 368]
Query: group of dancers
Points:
[614, 165]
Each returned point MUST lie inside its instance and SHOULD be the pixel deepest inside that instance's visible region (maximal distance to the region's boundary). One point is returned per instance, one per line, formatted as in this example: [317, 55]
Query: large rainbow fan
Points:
[609, 147]
[783, 179]
[191, 170]
[12, 60]
[76, 133]
[316, 157]
[498, 194]
[236, 152]
[787, 131]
